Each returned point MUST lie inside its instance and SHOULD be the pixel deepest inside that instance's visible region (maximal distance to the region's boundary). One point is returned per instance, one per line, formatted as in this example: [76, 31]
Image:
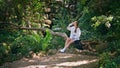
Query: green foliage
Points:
[27, 43]
[106, 62]
[46, 40]
[57, 42]
[102, 20]
[98, 20]
[117, 61]
[37, 44]
[3, 50]
[114, 45]
[63, 17]
[83, 2]
[23, 44]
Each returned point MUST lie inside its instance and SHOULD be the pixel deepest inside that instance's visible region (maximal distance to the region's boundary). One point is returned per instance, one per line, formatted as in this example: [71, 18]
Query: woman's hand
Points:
[72, 24]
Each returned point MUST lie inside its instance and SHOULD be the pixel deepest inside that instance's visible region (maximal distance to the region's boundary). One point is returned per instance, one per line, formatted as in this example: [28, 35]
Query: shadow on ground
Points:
[58, 60]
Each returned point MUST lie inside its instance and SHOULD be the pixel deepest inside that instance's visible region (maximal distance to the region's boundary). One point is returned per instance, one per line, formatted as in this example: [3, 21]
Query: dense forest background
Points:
[21, 22]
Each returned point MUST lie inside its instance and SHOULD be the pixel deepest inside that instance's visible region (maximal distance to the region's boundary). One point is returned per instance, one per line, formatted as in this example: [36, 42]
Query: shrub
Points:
[106, 61]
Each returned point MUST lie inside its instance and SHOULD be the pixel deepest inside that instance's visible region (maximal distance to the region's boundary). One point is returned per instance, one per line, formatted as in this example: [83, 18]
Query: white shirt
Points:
[74, 35]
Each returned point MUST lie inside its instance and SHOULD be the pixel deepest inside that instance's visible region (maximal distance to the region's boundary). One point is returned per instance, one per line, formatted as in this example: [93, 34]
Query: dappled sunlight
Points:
[65, 56]
[76, 63]
[59, 60]
[63, 64]
[31, 61]
[57, 57]
[59, 33]
[35, 66]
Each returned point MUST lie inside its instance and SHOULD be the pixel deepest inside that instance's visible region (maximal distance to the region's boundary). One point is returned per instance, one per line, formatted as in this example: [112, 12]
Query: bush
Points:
[114, 45]
[45, 42]
[106, 61]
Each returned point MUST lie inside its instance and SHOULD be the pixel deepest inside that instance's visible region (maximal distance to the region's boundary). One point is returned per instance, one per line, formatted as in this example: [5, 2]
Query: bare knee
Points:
[68, 39]
[71, 41]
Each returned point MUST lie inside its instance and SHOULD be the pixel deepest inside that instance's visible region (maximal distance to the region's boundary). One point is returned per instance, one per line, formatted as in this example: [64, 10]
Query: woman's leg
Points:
[67, 40]
[67, 43]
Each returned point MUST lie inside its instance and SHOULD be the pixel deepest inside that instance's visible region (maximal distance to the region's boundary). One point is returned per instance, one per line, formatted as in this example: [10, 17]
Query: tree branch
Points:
[44, 29]
[38, 29]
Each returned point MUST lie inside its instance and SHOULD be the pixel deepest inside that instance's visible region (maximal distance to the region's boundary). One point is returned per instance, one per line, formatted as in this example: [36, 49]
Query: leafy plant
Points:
[106, 62]
[102, 20]
[46, 40]
[114, 45]
[22, 44]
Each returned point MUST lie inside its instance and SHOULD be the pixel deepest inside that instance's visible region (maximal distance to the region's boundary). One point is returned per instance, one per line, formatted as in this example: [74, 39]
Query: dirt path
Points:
[58, 60]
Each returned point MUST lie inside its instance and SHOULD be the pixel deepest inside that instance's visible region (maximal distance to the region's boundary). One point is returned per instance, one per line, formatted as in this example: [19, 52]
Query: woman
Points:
[75, 33]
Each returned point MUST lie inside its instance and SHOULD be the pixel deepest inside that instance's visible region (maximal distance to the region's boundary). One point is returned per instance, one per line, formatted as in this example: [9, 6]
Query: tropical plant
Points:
[46, 40]
[106, 61]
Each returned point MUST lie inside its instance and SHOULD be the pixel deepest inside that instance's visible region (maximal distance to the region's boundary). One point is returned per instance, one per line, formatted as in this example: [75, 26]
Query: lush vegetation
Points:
[99, 21]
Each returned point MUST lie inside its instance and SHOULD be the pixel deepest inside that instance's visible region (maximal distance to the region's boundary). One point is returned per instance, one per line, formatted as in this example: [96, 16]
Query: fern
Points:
[46, 40]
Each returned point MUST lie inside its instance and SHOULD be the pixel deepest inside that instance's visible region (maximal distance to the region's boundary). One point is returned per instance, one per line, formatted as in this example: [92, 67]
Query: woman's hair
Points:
[76, 26]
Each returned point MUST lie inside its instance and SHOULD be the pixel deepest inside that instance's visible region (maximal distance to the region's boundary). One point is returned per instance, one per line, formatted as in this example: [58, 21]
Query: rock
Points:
[52, 51]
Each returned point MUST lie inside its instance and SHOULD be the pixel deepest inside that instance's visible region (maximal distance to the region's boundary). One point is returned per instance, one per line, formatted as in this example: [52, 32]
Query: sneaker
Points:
[62, 50]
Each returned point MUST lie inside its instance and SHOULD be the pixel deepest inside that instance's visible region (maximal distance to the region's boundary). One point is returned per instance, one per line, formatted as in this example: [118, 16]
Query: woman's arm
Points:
[69, 26]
